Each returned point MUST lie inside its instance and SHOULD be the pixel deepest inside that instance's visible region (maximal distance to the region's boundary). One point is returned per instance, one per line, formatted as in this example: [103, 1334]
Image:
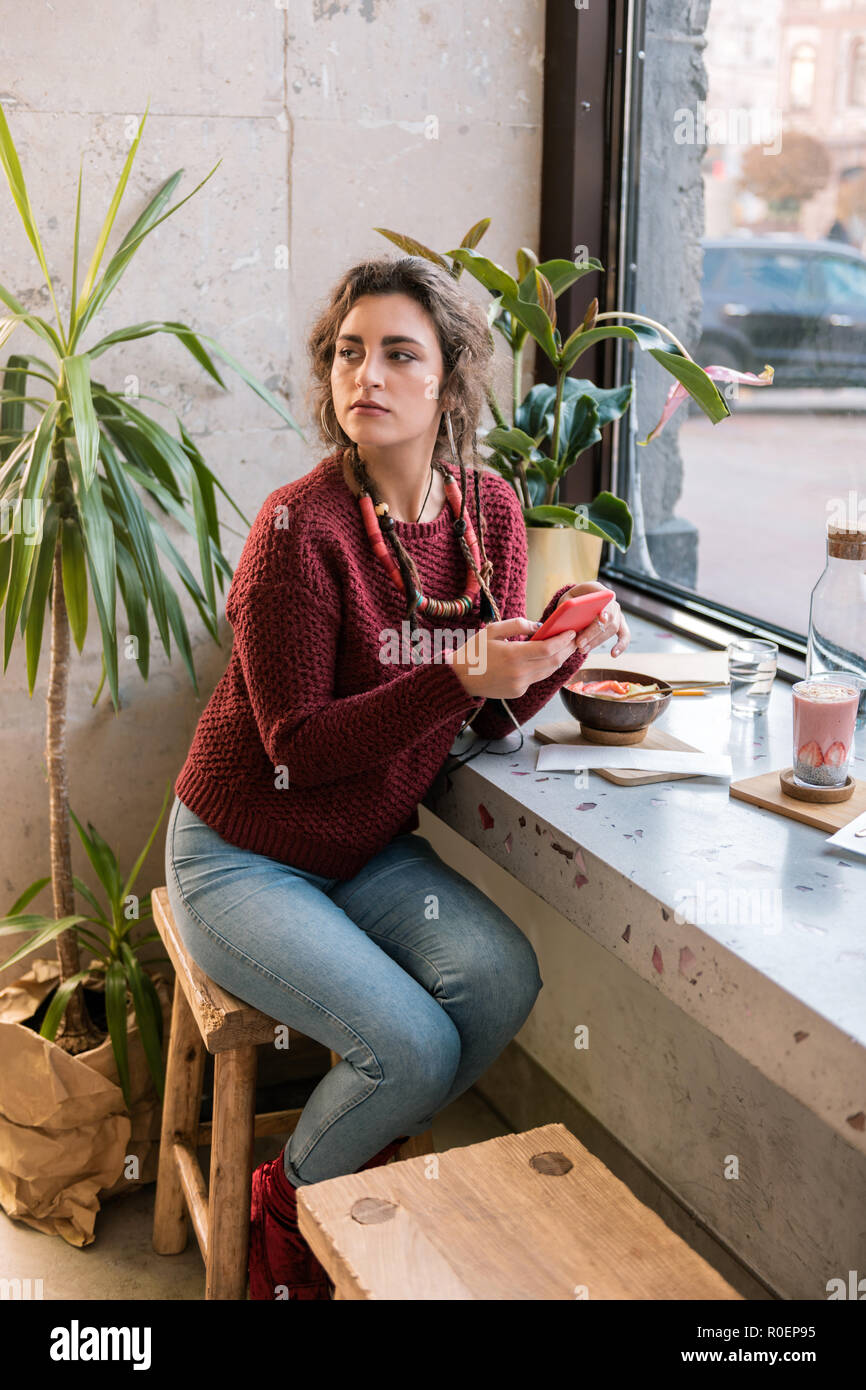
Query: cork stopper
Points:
[843, 544]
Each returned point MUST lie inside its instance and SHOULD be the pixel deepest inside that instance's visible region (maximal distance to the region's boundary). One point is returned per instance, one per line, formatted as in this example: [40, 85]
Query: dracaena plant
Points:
[554, 424]
[86, 474]
[114, 956]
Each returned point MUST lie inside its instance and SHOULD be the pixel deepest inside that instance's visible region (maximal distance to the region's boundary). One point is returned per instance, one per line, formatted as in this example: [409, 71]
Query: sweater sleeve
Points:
[493, 720]
[286, 636]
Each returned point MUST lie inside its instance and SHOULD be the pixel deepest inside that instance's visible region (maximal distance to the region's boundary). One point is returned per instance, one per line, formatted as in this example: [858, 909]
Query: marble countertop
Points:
[747, 918]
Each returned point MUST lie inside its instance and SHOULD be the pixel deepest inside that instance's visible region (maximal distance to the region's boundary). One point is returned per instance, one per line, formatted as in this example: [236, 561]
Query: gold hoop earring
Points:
[341, 443]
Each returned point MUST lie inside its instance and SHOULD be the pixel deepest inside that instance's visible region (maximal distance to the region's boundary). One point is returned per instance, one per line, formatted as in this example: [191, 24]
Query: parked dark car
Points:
[798, 304]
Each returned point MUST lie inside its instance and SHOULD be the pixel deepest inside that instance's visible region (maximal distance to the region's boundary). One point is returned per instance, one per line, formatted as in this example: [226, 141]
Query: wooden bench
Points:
[525, 1216]
[206, 1018]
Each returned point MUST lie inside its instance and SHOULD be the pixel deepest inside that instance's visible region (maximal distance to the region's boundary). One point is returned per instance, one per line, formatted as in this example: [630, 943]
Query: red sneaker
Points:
[279, 1255]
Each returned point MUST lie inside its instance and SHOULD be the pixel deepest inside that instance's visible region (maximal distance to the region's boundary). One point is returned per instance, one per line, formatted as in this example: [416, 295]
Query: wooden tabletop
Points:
[521, 1216]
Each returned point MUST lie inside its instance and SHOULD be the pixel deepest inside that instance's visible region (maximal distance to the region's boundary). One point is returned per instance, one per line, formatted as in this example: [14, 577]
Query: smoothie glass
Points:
[825, 713]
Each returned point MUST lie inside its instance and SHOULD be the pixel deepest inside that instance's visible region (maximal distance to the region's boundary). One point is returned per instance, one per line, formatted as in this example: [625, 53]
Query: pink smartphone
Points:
[574, 614]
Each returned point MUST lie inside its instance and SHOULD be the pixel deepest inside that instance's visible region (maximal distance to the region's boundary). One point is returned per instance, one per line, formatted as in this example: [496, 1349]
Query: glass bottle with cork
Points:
[837, 611]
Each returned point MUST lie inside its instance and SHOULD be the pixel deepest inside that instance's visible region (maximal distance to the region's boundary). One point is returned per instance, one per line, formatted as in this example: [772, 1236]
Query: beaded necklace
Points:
[478, 570]
[376, 515]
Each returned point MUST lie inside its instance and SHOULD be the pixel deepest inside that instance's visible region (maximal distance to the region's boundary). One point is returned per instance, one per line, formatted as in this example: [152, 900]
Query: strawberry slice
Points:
[810, 754]
[836, 754]
[616, 687]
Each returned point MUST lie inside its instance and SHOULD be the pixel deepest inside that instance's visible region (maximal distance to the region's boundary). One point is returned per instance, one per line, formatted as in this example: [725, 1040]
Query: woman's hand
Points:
[488, 665]
[609, 621]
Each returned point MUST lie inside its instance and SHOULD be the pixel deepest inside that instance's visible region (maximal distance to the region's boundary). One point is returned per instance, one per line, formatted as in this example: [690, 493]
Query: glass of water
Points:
[752, 669]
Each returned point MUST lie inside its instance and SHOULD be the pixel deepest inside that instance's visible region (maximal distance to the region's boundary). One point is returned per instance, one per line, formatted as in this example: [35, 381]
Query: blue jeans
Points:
[407, 971]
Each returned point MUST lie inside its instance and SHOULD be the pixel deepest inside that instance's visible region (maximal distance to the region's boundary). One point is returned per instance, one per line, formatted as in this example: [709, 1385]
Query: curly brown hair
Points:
[466, 344]
[459, 324]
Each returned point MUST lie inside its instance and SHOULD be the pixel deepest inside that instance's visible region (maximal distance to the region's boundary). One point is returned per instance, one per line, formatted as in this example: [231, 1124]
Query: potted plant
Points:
[101, 1134]
[76, 481]
[552, 425]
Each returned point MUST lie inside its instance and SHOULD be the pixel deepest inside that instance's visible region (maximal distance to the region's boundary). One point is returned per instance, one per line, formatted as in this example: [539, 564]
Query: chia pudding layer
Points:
[824, 776]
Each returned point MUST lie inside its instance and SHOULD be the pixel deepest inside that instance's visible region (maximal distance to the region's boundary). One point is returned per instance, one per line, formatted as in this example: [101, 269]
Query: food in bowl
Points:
[616, 690]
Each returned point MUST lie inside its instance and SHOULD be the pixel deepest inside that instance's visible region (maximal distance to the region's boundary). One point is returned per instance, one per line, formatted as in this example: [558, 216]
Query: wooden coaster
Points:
[820, 794]
[614, 737]
[765, 791]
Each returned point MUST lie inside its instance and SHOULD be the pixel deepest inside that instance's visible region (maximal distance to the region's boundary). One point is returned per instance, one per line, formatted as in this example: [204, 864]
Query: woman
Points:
[292, 870]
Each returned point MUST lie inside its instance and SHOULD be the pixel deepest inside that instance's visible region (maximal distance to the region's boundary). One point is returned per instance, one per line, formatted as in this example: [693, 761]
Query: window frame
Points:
[593, 79]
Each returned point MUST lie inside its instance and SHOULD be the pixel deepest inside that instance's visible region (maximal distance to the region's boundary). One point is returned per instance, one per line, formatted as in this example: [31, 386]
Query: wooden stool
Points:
[525, 1216]
[207, 1018]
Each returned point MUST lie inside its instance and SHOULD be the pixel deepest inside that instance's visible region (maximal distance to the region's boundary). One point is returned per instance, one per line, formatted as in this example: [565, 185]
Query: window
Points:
[747, 41]
[729, 252]
[715, 268]
[802, 79]
[843, 282]
[857, 74]
[772, 281]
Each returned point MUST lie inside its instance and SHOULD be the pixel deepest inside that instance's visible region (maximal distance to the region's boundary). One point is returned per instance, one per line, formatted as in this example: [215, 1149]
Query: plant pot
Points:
[66, 1136]
[558, 555]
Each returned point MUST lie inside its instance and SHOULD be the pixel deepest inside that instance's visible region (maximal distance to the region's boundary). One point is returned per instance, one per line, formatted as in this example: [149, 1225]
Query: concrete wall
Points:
[329, 120]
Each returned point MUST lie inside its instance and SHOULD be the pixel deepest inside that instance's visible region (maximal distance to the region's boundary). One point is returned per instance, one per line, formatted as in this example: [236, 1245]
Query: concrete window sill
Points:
[745, 919]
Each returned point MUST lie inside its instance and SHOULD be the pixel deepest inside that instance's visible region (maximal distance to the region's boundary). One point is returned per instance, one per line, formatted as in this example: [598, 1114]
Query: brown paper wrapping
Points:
[65, 1132]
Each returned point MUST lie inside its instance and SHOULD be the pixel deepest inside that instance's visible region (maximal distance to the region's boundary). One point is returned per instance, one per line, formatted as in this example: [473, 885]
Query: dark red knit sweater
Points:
[313, 750]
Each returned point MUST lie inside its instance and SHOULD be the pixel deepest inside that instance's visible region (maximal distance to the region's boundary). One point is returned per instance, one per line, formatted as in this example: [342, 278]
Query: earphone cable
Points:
[495, 752]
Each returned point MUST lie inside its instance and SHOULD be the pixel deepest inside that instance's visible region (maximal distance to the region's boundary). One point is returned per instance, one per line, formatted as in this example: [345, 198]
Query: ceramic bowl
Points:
[614, 716]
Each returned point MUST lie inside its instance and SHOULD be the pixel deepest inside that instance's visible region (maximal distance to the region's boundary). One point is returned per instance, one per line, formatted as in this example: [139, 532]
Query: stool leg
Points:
[231, 1171]
[180, 1114]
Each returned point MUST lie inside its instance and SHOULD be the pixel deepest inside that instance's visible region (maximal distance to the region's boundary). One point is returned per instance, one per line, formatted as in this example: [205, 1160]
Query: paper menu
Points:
[570, 757]
[848, 838]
